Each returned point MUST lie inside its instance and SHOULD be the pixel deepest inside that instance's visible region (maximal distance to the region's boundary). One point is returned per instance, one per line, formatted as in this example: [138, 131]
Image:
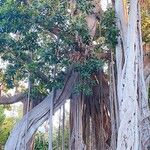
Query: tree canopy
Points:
[40, 36]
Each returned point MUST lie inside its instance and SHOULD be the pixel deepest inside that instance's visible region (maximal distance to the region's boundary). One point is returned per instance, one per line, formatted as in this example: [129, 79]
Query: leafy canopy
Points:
[43, 35]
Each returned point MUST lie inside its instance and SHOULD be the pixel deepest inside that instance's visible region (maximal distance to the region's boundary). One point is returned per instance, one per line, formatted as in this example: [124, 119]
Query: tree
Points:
[76, 40]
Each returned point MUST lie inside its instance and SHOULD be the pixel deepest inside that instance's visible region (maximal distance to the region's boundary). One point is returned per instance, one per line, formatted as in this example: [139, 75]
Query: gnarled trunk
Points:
[38, 115]
[132, 96]
[90, 120]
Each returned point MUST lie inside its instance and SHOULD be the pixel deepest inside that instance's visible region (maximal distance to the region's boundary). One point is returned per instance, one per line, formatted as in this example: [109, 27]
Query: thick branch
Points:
[12, 99]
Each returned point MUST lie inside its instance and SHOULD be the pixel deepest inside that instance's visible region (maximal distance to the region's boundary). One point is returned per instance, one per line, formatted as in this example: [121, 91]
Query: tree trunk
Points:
[76, 139]
[90, 122]
[130, 86]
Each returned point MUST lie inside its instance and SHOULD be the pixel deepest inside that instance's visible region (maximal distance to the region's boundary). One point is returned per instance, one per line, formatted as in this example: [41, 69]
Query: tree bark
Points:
[131, 86]
[76, 142]
[90, 122]
[13, 99]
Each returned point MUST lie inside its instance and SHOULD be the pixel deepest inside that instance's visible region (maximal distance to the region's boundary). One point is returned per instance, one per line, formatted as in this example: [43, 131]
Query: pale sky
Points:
[104, 3]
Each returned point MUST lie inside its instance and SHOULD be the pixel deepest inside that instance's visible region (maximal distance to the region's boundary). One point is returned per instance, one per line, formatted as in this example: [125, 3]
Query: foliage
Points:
[7, 123]
[37, 37]
[85, 6]
[57, 139]
[86, 70]
[41, 140]
[2, 115]
[27, 45]
[146, 26]
[5, 129]
[109, 28]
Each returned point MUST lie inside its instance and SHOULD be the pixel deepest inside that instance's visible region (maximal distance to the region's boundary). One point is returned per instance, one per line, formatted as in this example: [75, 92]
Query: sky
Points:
[104, 3]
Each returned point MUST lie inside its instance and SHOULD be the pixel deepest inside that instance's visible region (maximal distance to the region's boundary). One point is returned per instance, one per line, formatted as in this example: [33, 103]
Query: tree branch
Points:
[12, 99]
